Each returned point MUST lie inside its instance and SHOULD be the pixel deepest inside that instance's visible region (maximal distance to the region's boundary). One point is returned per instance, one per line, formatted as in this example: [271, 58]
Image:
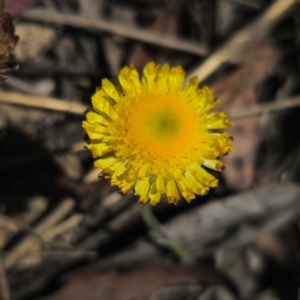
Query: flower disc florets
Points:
[154, 137]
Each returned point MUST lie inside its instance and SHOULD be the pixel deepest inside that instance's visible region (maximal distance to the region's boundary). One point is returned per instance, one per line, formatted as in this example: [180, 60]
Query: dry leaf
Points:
[137, 284]
[239, 89]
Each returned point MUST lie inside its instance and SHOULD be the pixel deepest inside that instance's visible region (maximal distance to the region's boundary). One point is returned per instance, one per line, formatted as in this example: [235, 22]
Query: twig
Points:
[252, 4]
[56, 216]
[123, 30]
[33, 259]
[62, 227]
[34, 209]
[14, 226]
[125, 220]
[243, 38]
[43, 103]
[10, 226]
[63, 253]
[32, 241]
[258, 109]
[78, 147]
[4, 288]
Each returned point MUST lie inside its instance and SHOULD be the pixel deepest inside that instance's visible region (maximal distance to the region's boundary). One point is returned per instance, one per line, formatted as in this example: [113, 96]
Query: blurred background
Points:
[65, 234]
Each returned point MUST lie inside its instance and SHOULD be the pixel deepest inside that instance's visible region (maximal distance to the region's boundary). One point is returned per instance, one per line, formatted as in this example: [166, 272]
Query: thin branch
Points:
[33, 241]
[258, 109]
[43, 103]
[43, 15]
[4, 288]
[257, 30]
[77, 147]
[62, 227]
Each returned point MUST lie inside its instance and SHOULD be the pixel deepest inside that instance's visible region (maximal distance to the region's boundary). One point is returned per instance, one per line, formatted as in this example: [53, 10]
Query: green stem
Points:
[153, 224]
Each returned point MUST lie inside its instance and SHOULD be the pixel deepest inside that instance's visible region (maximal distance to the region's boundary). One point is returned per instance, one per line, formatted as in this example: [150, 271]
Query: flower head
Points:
[155, 137]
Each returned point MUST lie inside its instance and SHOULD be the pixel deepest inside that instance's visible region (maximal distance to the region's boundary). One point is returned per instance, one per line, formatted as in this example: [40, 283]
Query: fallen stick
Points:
[146, 36]
[32, 242]
[241, 40]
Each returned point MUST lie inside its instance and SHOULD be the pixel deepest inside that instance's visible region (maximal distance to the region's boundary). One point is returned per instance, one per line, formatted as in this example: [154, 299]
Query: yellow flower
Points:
[154, 137]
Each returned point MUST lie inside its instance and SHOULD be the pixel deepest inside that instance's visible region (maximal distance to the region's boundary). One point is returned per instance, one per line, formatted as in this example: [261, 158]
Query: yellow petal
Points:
[99, 149]
[142, 189]
[189, 92]
[154, 195]
[214, 164]
[117, 168]
[143, 170]
[125, 181]
[104, 163]
[130, 81]
[149, 76]
[110, 89]
[172, 191]
[93, 117]
[102, 103]
[162, 79]
[221, 142]
[176, 79]
[160, 185]
[196, 186]
[93, 132]
[184, 186]
[218, 120]
[202, 175]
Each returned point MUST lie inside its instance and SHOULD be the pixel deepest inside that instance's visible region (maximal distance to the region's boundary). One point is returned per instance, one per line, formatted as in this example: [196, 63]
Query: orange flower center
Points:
[161, 125]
